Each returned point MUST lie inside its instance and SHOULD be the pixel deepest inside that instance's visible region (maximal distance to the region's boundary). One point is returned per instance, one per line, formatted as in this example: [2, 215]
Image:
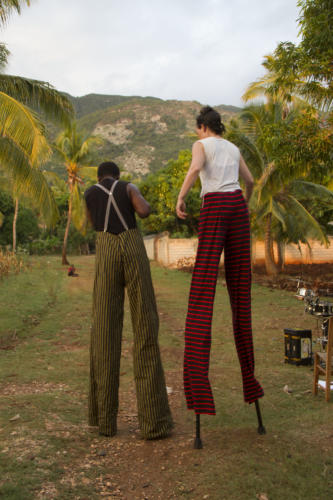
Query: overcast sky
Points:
[204, 50]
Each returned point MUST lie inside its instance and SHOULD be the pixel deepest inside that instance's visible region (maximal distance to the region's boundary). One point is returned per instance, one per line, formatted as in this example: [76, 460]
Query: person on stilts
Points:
[223, 225]
[121, 262]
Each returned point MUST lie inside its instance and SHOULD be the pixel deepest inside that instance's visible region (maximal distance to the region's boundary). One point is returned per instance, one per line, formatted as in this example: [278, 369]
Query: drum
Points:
[319, 308]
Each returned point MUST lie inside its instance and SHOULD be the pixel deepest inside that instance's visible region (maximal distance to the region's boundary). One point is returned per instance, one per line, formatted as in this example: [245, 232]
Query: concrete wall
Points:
[172, 252]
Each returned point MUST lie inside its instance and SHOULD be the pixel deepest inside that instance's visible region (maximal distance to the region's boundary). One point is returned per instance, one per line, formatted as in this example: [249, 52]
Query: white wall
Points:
[169, 252]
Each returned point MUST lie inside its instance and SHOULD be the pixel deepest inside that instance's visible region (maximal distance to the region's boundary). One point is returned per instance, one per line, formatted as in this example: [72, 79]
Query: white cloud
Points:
[181, 49]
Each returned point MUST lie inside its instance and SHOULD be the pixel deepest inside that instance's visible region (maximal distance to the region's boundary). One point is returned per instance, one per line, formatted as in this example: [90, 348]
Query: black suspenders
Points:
[115, 206]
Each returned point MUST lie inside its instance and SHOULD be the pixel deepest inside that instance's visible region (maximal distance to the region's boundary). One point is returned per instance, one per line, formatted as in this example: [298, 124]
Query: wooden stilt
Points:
[197, 441]
[261, 428]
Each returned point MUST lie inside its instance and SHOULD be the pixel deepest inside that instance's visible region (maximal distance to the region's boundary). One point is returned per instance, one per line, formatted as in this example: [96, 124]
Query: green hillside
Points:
[139, 133]
[94, 102]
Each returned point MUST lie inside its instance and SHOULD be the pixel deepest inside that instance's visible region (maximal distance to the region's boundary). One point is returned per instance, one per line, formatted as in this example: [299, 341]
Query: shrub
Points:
[9, 263]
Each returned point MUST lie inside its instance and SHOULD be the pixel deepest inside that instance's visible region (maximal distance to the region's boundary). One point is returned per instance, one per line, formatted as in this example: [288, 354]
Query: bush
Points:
[9, 263]
[49, 245]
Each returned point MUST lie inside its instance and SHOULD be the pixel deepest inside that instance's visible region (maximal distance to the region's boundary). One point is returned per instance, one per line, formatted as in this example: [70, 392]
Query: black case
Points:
[298, 346]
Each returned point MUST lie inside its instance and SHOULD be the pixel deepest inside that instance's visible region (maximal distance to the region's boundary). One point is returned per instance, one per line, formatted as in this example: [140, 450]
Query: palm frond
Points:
[248, 149]
[34, 185]
[280, 213]
[27, 180]
[4, 53]
[12, 157]
[87, 145]
[7, 6]
[253, 118]
[310, 190]
[54, 179]
[258, 88]
[310, 223]
[23, 127]
[262, 181]
[39, 95]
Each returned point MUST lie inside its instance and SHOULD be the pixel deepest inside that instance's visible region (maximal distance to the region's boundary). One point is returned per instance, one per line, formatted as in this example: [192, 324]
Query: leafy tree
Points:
[161, 190]
[74, 149]
[23, 145]
[281, 152]
[303, 70]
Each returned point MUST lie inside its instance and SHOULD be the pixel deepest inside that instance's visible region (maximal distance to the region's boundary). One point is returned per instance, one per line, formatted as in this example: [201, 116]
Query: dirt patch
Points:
[32, 388]
[318, 277]
[8, 340]
[78, 284]
[75, 346]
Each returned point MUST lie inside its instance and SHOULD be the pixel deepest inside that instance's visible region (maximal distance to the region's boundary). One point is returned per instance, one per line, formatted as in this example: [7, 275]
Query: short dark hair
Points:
[210, 118]
[108, 168]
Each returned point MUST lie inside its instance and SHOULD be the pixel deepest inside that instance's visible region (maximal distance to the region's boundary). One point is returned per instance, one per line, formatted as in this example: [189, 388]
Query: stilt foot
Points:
[197, 444]
[197, 441]
[261, 428]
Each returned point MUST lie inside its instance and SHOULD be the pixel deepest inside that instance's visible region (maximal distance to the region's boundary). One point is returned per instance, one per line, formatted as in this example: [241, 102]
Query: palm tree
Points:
[23, 145]
[74, 149]
[277, 205]
[270, 87]
[280, 83]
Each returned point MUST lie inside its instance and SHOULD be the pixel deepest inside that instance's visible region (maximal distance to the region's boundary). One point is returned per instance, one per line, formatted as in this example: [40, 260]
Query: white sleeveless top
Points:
[220, 171]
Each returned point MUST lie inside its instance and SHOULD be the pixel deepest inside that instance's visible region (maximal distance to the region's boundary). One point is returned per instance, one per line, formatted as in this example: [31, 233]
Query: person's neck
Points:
[205, 133]
[212, 134]
[108, 177]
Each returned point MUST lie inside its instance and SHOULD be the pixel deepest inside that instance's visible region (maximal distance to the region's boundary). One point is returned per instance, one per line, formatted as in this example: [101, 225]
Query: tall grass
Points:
[9, 263]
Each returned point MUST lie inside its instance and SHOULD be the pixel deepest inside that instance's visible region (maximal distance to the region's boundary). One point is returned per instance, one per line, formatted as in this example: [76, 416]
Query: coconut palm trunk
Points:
[64, 246]
[280, 251]
[271, 267]
[14, 224]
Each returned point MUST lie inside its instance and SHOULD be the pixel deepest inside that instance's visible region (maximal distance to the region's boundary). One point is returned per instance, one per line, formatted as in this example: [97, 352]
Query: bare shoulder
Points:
[133, 187]
[198, 146]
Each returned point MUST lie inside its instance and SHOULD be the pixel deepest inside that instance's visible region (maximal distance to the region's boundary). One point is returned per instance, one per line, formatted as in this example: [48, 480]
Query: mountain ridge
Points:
[139, 133]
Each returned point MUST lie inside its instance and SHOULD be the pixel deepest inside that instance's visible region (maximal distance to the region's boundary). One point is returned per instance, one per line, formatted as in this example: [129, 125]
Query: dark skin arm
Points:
[89, 219]
[140, 205]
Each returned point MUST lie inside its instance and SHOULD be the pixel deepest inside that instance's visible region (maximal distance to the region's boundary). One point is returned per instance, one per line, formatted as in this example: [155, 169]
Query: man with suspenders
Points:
[121, 261]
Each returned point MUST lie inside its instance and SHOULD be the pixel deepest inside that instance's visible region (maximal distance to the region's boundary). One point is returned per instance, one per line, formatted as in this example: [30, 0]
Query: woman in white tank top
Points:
[223, 225]
[217, 161]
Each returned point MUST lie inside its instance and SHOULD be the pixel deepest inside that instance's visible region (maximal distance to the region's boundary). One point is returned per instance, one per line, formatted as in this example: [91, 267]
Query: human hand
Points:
[181, 209]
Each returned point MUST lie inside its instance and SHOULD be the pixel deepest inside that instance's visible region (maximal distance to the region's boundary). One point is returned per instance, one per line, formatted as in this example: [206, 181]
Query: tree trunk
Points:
[271, 246]
[253, 250]
[64, 246]
[271, 268]
[280, 249]
[14, 224]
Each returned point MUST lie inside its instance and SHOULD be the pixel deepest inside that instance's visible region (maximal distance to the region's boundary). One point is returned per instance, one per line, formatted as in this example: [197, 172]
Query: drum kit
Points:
[314, 305]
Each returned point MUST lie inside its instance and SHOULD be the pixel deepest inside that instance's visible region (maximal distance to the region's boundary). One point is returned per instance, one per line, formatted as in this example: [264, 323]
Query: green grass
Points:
[49, 451]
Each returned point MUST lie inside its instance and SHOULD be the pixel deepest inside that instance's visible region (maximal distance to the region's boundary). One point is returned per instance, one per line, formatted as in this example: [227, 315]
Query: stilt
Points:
[261, 428]
[197, 441]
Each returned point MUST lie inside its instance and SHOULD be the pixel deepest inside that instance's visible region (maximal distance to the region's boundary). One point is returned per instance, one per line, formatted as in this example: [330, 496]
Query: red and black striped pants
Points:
[224, 224]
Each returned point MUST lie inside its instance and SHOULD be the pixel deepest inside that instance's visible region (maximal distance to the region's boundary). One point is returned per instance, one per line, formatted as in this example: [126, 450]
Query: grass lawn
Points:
[48, 451]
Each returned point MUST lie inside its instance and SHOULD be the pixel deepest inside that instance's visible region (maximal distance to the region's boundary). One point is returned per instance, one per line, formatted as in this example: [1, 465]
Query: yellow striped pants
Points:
[121, 261]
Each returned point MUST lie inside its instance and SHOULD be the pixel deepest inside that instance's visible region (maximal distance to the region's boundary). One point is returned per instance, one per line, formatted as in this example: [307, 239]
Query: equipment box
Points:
[298, 346]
